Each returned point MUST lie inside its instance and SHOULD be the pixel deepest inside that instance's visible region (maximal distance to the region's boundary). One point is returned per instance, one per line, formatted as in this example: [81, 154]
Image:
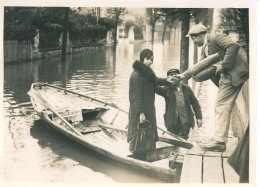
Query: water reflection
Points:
[57, 150]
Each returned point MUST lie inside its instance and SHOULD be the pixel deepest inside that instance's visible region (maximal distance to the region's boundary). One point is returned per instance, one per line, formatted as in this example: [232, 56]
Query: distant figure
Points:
[179, 99]
[142, 93]
[230, 74]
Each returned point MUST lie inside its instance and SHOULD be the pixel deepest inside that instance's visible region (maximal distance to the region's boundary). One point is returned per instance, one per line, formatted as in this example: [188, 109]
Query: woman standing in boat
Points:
[142, 86]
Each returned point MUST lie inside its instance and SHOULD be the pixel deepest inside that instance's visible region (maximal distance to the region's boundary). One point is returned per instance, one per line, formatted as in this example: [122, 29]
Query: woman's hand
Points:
[199, 123]
[142, 117]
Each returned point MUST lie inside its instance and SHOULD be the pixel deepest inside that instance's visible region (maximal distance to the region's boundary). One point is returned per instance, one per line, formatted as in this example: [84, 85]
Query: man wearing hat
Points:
[179, 99]
[230, 74]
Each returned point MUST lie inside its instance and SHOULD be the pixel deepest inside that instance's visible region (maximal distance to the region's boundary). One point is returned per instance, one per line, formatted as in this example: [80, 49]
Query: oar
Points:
[181, 142]
[175, 142]
[47, 106]
[174, 135]
[113, 127]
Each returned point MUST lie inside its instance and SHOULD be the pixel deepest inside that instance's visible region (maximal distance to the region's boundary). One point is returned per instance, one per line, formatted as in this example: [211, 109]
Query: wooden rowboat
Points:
[101, 127]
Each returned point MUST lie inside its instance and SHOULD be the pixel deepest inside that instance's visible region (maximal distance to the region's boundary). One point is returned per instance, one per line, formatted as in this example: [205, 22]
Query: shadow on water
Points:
[66, 148]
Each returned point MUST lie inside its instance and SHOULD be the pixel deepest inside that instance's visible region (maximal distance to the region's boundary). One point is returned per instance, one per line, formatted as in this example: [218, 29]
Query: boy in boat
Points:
[230, 75]
[179, 98]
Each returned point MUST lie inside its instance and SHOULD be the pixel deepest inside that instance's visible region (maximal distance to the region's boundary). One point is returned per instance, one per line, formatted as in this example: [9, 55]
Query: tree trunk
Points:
[195, 54]
[210, 19]
[164, 29]
[245, 26]
[174, 36]
[184, 58]
[115, 32]
[98, 14]
[94, 10]
[153, 28]
[154, 19]
[170, 34]
[64, 34]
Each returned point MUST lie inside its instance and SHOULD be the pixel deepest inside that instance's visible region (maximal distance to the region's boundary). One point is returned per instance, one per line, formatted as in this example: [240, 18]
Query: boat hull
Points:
[109, 142]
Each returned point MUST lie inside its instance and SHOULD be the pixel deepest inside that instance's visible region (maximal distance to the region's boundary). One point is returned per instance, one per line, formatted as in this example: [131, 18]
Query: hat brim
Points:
[173, 71]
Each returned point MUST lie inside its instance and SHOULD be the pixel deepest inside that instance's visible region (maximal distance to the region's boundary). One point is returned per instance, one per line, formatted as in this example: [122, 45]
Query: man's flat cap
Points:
[196, 29]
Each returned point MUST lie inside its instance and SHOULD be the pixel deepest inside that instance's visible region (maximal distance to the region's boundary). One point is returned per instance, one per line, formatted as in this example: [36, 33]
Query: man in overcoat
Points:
[180, 102]
[231, 73]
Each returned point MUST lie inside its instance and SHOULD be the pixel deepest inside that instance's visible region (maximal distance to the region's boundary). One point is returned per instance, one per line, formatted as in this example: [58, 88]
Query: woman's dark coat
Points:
[141, 96]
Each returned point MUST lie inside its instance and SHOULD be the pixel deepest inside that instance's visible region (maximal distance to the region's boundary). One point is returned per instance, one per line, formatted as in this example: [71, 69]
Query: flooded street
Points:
[35, 153]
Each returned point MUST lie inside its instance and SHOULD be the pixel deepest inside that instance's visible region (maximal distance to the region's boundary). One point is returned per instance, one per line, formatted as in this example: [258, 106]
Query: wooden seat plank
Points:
[230, 174]
[191, 169]
[212, 170]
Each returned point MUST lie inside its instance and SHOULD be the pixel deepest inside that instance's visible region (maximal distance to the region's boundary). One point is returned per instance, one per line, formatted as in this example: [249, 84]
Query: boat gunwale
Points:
[79, 94]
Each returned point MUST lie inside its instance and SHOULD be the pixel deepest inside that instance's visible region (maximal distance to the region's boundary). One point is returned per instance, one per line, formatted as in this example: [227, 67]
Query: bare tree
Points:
[168, 15]
[185, 18]
[164, 30]
[115, 14]
[153, 16]
[64, 35]
[96, 14]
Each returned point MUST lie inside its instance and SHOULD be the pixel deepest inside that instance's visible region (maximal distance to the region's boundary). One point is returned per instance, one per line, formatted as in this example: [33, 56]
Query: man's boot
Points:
[214, 146]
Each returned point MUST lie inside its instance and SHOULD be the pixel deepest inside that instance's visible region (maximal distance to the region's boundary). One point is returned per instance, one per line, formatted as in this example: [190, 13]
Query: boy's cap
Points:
[173, 70]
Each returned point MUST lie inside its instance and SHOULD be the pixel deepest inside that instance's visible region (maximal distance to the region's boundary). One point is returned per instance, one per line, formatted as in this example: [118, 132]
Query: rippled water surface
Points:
[35, 153]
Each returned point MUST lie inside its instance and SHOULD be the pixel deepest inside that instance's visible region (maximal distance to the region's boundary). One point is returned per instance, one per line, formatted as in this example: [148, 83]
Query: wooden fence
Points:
[23, 50]
[17, 50]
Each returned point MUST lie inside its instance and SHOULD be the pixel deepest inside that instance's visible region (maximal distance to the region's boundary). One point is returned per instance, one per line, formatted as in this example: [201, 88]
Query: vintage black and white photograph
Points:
[127, 94]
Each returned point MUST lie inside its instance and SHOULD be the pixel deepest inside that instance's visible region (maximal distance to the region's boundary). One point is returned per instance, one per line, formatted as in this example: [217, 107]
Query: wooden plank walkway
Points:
[207, 167]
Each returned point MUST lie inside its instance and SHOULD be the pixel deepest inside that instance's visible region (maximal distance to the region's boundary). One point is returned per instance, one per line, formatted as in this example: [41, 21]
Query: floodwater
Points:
[35, 153]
